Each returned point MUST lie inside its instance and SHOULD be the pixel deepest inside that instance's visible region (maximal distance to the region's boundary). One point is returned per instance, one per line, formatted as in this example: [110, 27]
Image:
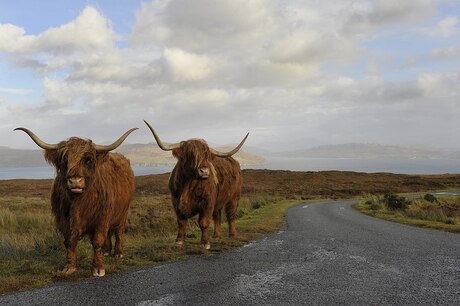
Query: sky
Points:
[294, 73]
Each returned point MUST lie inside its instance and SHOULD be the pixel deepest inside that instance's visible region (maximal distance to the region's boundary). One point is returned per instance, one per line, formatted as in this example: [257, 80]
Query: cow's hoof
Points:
[68, 269]
[106, 253]
[119, 255]
[206, 246]
[179, 242]
[98, 272]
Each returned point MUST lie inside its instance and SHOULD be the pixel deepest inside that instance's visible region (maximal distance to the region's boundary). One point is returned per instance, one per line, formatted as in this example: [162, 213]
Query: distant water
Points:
[403, 166]
[400, 166]
[49, 172]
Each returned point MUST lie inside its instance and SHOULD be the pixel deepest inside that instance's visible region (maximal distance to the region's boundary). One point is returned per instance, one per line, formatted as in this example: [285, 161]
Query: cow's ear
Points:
[52, 157]
[101, 156]
[177, 153]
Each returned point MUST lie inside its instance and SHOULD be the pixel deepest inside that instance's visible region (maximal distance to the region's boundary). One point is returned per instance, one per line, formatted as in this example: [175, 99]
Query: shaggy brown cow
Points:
[91, 195]
[203, 182]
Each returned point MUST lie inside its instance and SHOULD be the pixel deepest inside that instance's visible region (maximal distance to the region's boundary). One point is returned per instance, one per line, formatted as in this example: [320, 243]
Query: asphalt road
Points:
[327, 254]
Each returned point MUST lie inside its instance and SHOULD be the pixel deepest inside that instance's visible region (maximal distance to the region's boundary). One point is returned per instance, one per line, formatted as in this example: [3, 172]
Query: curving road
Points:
[328, 254]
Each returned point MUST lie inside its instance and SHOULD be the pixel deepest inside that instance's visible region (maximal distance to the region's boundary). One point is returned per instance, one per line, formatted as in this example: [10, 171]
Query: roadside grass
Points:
[443, 213]
[32, 251]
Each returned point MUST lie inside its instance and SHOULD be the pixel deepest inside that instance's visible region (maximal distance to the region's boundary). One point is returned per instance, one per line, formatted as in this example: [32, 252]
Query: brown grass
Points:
[31, 251]
[443, 214]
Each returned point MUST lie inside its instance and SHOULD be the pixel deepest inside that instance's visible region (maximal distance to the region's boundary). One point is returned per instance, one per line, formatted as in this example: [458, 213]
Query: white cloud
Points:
[184, 66]
[16, 91]
[366, 17]
[201, 24]
[442, 86]
[12, 39]
[216, 69]
[89, 31]
[445, 28]
[446, 53]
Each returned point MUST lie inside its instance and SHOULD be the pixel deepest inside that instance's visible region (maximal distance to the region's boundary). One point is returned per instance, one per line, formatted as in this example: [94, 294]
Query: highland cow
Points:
[90, 196]
[203, 182]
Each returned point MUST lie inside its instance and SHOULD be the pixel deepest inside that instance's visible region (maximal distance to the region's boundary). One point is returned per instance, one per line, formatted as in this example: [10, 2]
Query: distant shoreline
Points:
[397, 166]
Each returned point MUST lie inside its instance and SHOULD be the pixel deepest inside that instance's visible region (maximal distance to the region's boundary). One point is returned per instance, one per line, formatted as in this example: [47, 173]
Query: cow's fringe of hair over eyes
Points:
[214, 173]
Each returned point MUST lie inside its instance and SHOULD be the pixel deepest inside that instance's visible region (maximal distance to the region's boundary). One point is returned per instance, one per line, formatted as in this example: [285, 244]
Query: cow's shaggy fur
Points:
[100, 210]
[193, 192]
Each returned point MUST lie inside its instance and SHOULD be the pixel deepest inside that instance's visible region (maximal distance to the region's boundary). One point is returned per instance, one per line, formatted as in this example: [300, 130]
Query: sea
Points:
[399, 166]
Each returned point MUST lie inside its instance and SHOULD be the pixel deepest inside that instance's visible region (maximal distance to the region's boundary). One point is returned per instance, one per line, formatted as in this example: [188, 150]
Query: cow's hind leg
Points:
[231, 209]
[107, 248]
[119, 239]
[217, 216]
[98, 240]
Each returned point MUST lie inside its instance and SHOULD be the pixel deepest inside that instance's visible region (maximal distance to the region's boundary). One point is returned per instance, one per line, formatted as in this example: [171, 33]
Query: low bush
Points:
[430, 198]
[393, 201]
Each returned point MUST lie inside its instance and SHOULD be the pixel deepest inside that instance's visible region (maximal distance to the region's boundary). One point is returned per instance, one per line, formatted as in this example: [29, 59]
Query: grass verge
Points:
[32, 252]
[438, 213]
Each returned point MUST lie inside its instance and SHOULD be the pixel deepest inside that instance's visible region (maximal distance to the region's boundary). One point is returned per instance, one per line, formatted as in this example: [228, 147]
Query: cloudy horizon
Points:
[295, 74]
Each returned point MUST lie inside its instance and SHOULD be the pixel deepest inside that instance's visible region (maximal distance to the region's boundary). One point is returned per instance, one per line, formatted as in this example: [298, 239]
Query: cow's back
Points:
[118, 183]
[230, 180]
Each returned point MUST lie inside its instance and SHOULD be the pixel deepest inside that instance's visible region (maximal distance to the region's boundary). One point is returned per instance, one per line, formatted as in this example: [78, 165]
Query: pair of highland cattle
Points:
[93, 188]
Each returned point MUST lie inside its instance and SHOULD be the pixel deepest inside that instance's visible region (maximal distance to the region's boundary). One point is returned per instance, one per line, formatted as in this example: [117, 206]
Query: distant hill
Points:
[151, 154]
[21, 158]
[139, 154]
[370, 151]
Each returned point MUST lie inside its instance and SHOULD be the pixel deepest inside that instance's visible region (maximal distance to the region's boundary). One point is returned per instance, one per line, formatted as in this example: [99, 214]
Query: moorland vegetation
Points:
[31, 250]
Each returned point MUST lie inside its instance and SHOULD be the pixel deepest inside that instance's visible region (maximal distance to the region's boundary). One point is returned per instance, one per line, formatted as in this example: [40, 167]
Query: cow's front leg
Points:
[97, 241]
[204, 220]
[70, 243]
[182, 226]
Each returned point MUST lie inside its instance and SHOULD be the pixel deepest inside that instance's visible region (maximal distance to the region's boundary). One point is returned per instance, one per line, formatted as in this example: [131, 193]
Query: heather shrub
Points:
[430, 198]
[393, 201]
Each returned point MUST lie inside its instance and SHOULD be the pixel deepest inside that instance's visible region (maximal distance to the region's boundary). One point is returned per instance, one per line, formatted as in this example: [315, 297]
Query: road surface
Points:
[328, 253]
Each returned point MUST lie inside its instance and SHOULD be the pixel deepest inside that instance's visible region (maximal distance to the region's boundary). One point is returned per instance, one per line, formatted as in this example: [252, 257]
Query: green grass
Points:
[443, 214]
[32, 251]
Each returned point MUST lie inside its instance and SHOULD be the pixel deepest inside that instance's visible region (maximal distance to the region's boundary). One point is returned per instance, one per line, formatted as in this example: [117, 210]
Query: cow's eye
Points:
[63, 164]
[89, 163]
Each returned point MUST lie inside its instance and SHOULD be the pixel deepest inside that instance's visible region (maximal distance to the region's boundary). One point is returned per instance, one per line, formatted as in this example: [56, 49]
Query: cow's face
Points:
[195, 158]
[75, 161]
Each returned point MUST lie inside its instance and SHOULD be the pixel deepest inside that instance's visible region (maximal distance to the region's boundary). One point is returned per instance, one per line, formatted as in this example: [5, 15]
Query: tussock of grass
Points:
[443, 214]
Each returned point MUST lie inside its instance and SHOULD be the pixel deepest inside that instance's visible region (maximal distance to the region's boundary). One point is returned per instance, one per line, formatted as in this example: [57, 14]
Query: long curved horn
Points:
[114, 145]
[160, 143]
[230, 153]
[38, 141]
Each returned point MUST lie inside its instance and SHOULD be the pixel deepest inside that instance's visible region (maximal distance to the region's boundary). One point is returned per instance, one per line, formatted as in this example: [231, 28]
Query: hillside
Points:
[21, 158]
[139, 154]
[151, 155]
